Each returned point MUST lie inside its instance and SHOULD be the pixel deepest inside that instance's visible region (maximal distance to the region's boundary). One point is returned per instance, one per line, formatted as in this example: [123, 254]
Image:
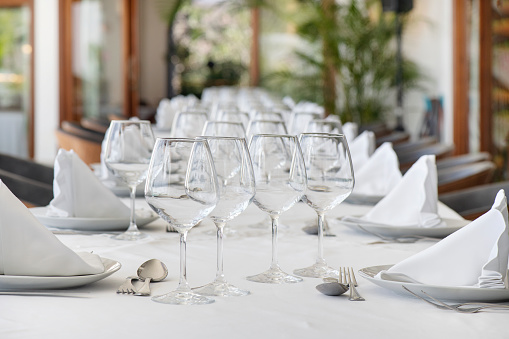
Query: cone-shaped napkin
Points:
[380, 174]
[350, 130]
[79, 193]
[29, 248]
[361, 149]
[413, 202]
[476, 255]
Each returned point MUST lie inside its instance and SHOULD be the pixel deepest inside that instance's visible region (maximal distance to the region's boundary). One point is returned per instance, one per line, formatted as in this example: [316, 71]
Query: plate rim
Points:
[83, 224]
[457, 292]
[396, 231]
[24, 282]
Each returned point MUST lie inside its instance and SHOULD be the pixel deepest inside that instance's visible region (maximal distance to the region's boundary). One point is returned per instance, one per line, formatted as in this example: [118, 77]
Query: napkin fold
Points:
[380, 174]
[413, 202]
[29, 248]
[79, 193]
[350, 130]
[476, 255]
[167, 109]
[361, 148]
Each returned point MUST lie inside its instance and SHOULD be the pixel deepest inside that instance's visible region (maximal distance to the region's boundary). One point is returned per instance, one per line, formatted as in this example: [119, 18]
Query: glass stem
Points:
[219, 273]
[321, 218]
[183, 285]
[274, 264]
[132, 224]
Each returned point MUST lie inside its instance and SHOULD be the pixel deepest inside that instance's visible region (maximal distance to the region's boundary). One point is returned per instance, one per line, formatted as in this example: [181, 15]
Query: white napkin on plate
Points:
[361, 148]
[79, 193]
[350, 130]
[380, 174]
[413, 202]
[29, 248]
[476, 255]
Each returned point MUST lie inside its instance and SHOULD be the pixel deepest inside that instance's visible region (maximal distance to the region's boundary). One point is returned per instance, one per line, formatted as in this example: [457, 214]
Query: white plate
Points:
[362, 199]
[21, 282]
[91, 224]
[452, 225]
[473, 294]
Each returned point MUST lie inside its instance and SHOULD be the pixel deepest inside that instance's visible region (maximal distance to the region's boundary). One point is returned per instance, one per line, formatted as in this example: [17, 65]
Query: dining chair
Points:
[407, 159]
[473, 202]
[28, 180]
[395, 137]
[465, 176]
[86, 143]
[463, 159]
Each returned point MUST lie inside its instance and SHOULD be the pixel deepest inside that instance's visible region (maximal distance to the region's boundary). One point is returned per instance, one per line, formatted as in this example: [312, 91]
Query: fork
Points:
[127, 287]
[347, 277]
[461, 307]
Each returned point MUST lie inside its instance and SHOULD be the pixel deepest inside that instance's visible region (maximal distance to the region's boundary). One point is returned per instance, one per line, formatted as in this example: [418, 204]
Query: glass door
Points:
[98, 70]
[16, 112]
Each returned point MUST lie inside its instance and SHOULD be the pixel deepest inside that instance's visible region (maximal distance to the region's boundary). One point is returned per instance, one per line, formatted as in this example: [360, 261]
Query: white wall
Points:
[427, 40]
[46, 77]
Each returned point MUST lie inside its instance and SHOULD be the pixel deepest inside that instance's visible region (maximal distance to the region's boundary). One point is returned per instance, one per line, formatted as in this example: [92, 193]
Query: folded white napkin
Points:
[79, 193]
[29, 248]
[361, 148]
[380, 174]
[350, 130]
[413, 202]
[476, 255]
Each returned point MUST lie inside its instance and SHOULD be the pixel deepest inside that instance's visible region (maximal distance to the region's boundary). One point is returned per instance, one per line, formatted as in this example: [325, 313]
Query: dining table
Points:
[295, 310]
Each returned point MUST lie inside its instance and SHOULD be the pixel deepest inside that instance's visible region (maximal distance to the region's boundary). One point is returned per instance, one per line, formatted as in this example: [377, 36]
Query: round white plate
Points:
[21, 282]
[452, 225]
[461, 294]
[143, 217]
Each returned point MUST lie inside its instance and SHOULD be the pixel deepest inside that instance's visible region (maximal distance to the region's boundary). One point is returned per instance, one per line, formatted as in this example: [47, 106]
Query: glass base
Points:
[131, 236]
[221, 289]
[318, 270]
[182, 298]
[274, 276]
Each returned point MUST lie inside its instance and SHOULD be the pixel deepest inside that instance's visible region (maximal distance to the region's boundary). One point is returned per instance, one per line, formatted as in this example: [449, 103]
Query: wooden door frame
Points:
[31, 41]
[130, 67]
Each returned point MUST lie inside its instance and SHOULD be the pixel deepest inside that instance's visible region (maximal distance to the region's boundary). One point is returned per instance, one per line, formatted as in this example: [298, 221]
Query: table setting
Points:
[187, 276]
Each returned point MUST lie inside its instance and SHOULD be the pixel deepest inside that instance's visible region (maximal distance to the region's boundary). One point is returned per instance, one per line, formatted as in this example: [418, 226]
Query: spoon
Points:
[151, 270]
[332, 288]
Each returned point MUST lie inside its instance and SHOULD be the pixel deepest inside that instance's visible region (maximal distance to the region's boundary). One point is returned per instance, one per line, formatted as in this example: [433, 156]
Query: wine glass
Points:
[182, 189]
[129, 146]
[237, 188]
[330, 180]
[266, 115]
[188, 124]
[299, 121]
[233, 116]
[280, 177]
[324, 126]
[224, 129]
[265, 127]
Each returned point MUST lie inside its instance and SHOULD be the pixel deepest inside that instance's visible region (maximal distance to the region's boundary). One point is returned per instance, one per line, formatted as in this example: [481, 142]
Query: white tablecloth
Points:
[271, 311]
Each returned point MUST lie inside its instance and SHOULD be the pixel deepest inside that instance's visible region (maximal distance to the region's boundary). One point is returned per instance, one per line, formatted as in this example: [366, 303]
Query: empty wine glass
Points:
[233, 116]
[330, 180]
[265, 127]
[182, 189]
[324, 126]
[129, 146]
[224, 129]
[188, 124]
[299, 121]
[280, 178]
[237, 188]
[266, 115]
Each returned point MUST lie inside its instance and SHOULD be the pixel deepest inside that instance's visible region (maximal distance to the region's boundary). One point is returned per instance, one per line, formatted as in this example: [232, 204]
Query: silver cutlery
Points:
[127, 286]
[150, 270]
[347, 277]
[469, 307]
